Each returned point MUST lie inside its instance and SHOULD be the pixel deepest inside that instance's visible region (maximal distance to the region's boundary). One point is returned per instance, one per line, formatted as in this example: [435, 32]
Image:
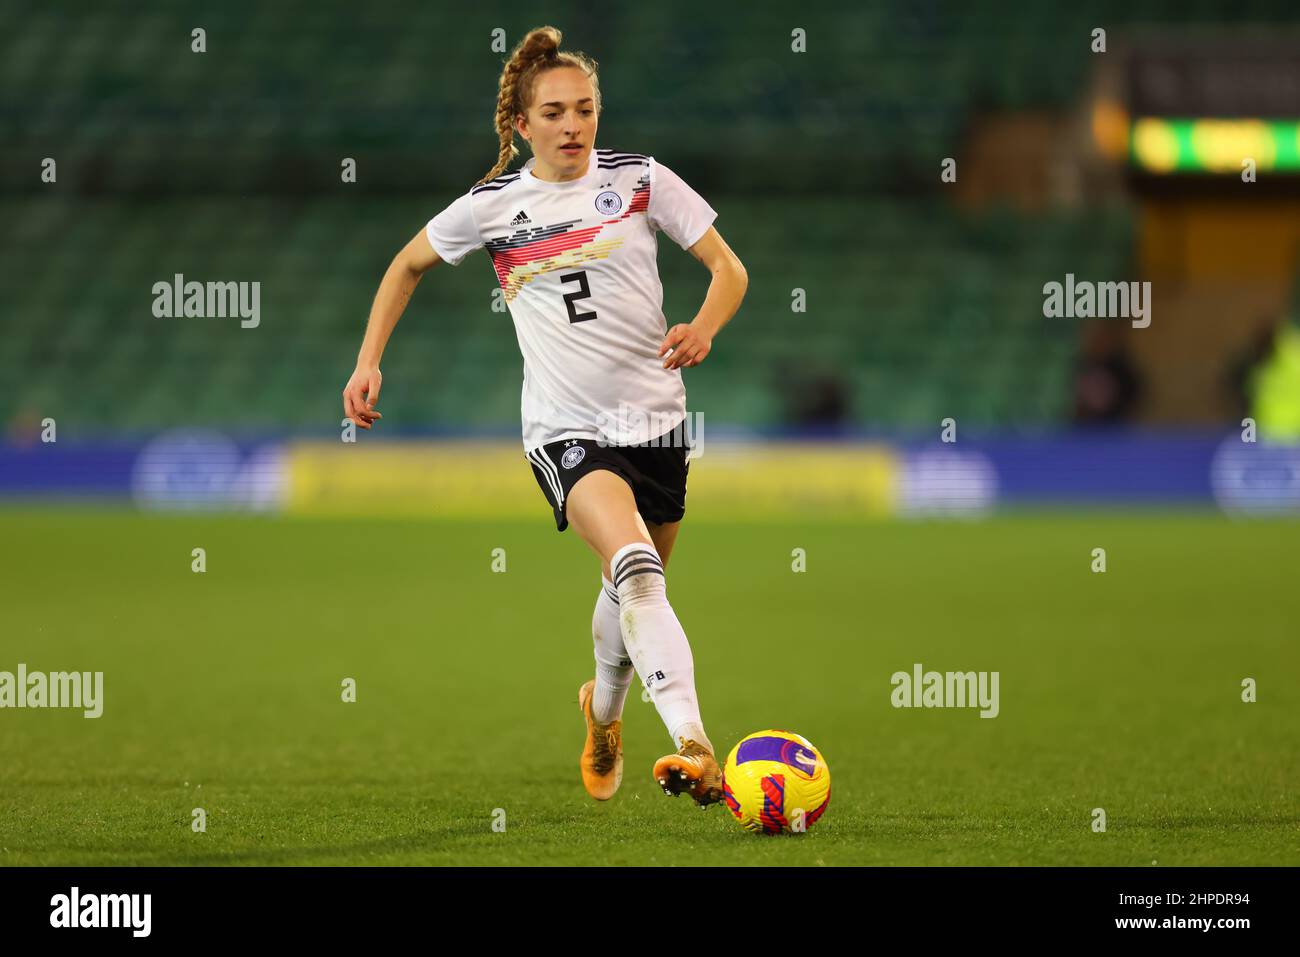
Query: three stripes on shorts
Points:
[543, 461]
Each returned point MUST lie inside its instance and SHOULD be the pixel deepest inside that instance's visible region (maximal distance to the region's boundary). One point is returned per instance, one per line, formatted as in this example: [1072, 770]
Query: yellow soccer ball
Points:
[776, 782]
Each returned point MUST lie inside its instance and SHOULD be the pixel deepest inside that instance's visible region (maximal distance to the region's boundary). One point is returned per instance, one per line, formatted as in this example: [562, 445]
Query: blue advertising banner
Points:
[198, 469]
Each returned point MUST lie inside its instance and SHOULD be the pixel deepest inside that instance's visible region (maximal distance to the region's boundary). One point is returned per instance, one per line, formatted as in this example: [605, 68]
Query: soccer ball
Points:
[775, 782]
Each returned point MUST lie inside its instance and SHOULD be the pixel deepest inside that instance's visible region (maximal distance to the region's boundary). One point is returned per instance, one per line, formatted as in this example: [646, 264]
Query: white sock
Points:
[614, 669]
[655, 641]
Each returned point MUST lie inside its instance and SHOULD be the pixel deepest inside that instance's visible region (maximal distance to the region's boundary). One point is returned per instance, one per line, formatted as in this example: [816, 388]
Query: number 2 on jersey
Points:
[571, 297]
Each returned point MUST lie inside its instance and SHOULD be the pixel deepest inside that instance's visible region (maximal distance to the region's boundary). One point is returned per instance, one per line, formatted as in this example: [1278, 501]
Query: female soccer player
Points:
[571, 236]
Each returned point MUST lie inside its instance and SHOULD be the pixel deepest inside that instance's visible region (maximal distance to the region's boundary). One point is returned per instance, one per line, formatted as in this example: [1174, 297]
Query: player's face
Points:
[561, 123]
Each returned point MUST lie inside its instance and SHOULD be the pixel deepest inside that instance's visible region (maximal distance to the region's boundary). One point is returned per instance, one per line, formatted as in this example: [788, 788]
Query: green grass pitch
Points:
[222, 691]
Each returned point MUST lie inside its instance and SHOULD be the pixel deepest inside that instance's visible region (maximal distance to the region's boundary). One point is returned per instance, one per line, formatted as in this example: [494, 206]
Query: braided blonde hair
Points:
[536, 53]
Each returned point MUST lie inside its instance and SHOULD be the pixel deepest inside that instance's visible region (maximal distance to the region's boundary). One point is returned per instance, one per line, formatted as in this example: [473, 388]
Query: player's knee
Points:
[638, 575]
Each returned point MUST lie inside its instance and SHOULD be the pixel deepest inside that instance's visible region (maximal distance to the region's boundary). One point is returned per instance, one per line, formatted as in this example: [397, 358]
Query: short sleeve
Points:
[677, 209]
[453, 233]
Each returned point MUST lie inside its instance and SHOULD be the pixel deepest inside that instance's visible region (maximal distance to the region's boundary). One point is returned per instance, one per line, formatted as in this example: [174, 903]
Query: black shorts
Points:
[655, 470]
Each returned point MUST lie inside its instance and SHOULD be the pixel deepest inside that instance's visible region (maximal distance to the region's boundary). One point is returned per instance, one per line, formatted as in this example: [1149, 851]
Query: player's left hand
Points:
[689, 346]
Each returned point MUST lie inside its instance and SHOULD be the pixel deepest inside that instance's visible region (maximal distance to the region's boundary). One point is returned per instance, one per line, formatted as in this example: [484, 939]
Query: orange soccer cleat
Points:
[602, 756]
[692, 770]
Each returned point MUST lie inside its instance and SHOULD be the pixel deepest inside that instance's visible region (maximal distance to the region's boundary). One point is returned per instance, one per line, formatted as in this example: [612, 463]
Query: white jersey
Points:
[577, 264]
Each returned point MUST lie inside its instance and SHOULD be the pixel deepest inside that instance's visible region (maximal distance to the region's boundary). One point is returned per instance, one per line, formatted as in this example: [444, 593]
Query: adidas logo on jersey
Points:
[521, 219]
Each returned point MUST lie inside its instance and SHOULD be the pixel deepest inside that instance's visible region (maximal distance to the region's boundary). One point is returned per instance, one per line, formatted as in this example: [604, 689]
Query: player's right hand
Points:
[361, 394]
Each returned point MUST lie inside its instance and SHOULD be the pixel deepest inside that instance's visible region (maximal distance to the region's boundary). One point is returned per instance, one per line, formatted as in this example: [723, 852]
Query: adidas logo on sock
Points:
[520, 219]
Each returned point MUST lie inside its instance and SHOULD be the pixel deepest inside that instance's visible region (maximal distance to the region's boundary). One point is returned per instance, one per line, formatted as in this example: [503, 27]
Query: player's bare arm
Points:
[362, 391]
[691, 342]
